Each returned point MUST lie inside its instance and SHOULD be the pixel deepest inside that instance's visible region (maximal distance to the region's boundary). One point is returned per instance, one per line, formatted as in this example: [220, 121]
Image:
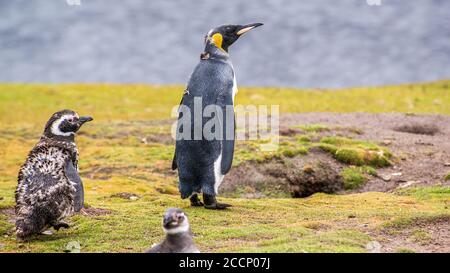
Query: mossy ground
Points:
[353, 178]
[447, 177]
[356, 152]
[120, 153]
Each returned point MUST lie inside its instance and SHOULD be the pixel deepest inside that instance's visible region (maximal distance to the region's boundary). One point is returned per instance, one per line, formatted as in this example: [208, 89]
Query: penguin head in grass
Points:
[175, 221]
[224, 36]
[64, 124]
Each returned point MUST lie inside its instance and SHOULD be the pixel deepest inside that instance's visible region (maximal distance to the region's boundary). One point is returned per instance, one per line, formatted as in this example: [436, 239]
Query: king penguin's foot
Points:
[60, 225]
[211, 202]
[195, 201]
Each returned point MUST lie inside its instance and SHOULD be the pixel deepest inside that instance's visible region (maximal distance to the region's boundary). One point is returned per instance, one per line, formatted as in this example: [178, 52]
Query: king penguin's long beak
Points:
[248, 27]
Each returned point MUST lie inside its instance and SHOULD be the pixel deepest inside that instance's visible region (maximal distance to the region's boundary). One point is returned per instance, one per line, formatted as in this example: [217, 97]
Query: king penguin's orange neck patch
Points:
[217, 39]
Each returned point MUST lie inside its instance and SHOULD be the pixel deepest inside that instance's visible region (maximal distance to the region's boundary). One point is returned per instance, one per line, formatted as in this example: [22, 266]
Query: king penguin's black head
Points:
[64, 124]
[224, 36]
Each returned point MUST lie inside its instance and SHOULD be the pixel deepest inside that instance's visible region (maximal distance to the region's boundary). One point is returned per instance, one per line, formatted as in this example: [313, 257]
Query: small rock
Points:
[289, 132]
[387, 142]
[424, 143]
[386, 177]
[408, 184]
[126, 195]
[396, 174]
[72, 247]
[447, 164]
[47, 232]
[373, 247]
[308, 169]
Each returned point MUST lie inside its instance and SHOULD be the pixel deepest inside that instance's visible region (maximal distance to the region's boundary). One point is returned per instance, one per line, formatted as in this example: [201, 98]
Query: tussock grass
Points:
[356, 152]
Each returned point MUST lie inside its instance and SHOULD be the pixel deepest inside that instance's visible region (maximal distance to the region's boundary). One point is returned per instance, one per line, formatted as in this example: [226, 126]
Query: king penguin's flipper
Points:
[227, 152]
[225, 102]
[174, 161]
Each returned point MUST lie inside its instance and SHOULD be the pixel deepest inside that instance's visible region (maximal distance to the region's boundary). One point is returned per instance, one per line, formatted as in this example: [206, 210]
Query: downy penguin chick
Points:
[178, 234]
[49, 187]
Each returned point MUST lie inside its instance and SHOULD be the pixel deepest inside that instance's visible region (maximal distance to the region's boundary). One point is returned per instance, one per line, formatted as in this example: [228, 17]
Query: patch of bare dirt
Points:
[418, 128]
[154, 122]
[290, 131]
[92, 212]
[317, 176]
[254, 180]
[429, 236]
[419, 159]
[165, 139]
[300, 176]
[126, 195]
[102, 173]
[10, 213]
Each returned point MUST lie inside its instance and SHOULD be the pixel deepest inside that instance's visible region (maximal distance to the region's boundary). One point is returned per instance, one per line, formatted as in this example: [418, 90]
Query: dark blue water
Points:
[308, 43]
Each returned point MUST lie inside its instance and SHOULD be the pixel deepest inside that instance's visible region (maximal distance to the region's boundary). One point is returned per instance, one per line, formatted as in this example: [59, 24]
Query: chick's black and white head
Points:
[175, 221]
[224, 36]
[64, 124]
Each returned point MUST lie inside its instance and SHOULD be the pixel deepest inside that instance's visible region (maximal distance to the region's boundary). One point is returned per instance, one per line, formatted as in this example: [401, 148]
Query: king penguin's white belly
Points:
[218, 176]
[218, 163]
[235, 89]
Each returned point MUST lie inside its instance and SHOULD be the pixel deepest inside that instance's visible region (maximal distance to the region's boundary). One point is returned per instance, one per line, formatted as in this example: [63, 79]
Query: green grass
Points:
[405, 250]
[36, 102]
[426, 193]
[119, 153]
[314, 128]
[353, 178]
[251, 225]
[408, 222]
[356, 152]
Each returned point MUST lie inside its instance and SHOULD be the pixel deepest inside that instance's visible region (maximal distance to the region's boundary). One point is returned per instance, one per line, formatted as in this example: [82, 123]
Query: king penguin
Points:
[49, 187]
[202, 160]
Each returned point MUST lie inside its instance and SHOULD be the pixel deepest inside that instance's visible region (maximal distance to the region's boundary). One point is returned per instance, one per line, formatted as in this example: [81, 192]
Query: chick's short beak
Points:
[246, 28]
[173, 220]
[83, 120]
[170, 218]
